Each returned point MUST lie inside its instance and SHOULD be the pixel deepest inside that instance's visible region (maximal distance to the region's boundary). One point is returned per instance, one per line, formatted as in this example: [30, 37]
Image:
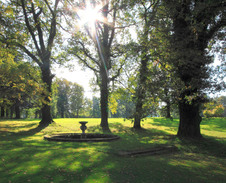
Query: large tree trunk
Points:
[190, 120]
[104, 101]
[46, 110]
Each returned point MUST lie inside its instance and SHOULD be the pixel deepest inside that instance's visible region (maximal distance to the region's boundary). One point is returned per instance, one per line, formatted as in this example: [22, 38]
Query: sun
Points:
[89, 16]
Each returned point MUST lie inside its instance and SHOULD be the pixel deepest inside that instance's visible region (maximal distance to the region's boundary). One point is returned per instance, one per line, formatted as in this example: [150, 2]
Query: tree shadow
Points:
[206, 145]
[165, 122]
[34, 128]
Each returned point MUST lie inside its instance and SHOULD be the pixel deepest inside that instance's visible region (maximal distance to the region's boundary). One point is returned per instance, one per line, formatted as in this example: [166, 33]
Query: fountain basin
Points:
[78, 137]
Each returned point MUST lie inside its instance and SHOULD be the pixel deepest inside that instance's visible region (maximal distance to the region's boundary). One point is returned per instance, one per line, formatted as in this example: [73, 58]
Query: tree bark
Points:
[138, 114]
[190, 120]
[104, 92]
[46, 110]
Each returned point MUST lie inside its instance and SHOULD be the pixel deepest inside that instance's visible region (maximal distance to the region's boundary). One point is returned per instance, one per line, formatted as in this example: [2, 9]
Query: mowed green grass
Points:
[26, 157]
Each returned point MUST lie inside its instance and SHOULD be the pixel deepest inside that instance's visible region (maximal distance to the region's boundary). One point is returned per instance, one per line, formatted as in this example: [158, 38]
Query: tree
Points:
[87, 109]
[68, 97]
[96, 108]
[76, 99]
[122, 104]
[20, 85]
[31, 26]
[146, 13]
[63, 92]
[195, 24]
[215, 107]
[97, 48]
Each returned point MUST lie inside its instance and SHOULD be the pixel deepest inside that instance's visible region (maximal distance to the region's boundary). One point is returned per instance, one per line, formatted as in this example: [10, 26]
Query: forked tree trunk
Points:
[190, 120]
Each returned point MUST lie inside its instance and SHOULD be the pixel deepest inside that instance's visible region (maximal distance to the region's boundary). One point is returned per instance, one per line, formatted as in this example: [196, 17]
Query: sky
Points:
[76, 74]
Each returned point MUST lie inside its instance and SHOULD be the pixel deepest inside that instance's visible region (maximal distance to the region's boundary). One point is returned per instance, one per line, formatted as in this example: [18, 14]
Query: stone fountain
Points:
[83, 127]
[81, 137]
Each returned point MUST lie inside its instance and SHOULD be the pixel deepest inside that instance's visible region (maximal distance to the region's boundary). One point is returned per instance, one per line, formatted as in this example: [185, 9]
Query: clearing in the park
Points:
[151, 155]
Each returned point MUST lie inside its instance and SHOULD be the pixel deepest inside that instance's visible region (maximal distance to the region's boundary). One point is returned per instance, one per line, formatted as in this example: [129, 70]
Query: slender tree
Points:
[147, 13]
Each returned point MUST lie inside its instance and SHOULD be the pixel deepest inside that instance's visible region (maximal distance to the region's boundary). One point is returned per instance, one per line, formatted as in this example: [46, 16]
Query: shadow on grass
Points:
[19, 130]
[165, 122]
[20, 126]
[207, 146]
[131, 139]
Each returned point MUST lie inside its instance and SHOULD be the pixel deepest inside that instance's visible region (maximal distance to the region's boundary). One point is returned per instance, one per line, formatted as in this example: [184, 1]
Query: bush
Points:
[216, 111]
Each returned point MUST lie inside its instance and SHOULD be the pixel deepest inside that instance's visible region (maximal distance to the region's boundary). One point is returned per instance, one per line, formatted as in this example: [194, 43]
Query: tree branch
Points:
[87, 54]
[85, 62]
[29, 27]
[32, 56]
[113, 28]
[216, 27]
[52, 32]
[38, 27]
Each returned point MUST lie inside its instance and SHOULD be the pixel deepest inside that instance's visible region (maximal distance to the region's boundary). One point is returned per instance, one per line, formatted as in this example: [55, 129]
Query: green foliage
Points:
[96, 107]
[213, 109]
[69, 99]
[76, 99]
[20, 83]
[87, 108]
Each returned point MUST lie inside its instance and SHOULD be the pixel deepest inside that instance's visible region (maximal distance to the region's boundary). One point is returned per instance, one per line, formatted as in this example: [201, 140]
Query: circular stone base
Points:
[78, 137]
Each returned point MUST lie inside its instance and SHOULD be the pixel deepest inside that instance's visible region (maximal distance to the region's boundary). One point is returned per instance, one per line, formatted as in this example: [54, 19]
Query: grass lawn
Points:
[26, 157]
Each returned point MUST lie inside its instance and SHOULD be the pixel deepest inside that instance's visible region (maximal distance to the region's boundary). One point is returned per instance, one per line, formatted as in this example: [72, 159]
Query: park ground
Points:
[26, 157]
